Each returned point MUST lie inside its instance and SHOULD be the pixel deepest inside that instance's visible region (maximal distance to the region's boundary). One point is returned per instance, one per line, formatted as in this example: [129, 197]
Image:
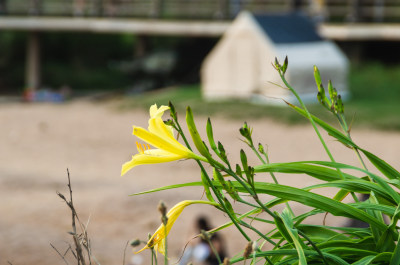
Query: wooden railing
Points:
[325, 10]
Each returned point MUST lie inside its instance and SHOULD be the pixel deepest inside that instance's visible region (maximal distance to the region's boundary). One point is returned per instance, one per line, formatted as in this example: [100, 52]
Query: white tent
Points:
[240, 66]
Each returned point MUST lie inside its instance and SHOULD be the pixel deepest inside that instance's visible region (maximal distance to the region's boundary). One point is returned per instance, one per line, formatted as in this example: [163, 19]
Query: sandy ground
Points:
[38, 142]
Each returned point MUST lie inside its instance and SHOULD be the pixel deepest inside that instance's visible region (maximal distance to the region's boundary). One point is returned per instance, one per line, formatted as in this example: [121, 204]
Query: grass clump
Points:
[291, 239]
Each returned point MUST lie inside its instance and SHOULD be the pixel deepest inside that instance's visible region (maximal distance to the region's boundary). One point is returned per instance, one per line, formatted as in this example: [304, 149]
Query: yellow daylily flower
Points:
[157, 241]
[161, 136]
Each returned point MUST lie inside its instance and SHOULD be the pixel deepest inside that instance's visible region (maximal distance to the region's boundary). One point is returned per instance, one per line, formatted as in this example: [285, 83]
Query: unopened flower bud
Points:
[172, 111]
[332, 91]
[169, 122]
[162, 208]
[277, 65]
[260, 148]
[238, 170]
[317, 77]
[243, 158]
[221, 150]
[135, 243]
[285, 65]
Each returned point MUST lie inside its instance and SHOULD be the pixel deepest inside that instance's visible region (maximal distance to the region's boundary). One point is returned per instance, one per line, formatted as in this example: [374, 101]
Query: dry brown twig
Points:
[81, 240]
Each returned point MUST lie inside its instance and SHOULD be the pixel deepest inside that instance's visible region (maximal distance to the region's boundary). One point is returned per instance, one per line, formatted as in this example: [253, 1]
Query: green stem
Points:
[308, 116]
[166, 246]
[153, 257]
[214, 250]
[257, 154]
[314, 246]
[257, 231]
[314, 126]
[220, 200]
[266, 162]
[345, 128]
[251, 192]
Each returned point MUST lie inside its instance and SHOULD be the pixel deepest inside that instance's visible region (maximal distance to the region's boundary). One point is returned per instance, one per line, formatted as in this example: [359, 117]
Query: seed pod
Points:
[162, 208]
[248, 250]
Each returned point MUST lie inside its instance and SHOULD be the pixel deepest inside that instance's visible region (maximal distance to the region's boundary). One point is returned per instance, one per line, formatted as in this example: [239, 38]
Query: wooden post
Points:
[32, 68]
[157, 9]
[36, 7]
[355, 14]
[99, 9]
[223, 10]
[379, 10]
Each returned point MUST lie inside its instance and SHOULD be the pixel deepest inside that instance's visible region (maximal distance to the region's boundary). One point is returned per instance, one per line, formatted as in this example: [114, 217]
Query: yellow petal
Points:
[149, 157]
[157, 112]
[158, 127]
[173, 147]
[172, 215]
[160, 247]
[157, 241]
[160, 153]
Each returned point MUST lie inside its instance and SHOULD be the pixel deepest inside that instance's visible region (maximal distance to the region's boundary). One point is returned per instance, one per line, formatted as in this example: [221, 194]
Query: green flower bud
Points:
[277, 65]
[332, 91]
[260, 148]
[243, 158]
[135, 243]
[285, 65]
[198, 142]
[317, 76]
[169, 122]
[172, 111]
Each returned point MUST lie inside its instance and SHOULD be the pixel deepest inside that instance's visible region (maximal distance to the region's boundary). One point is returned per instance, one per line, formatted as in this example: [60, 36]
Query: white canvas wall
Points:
[240, 66]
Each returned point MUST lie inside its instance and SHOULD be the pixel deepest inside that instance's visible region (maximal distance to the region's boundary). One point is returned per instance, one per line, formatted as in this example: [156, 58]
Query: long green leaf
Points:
[328, 128]
[319, 172]
[292, 252]
[359, 185]
[312, 200]
[378, 179]
[383, 167]
[288, 223]
[395, 260]
[389, 210]
[364, 261]
[349, 251]
[366, 243]
[169, 187]
[321, 234]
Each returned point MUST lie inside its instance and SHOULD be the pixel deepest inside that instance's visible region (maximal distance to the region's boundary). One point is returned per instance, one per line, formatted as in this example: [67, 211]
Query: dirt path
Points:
[38, 142]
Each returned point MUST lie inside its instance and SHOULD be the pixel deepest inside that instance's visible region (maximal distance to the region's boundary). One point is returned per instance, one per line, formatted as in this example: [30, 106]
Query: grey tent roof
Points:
[288, 28]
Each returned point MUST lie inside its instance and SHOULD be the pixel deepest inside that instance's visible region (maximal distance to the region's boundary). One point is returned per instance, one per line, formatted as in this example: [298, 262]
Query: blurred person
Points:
[199, 251]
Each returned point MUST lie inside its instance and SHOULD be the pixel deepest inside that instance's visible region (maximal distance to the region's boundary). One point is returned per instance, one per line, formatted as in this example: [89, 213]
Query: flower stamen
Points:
[139, 148]
[142, 147]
